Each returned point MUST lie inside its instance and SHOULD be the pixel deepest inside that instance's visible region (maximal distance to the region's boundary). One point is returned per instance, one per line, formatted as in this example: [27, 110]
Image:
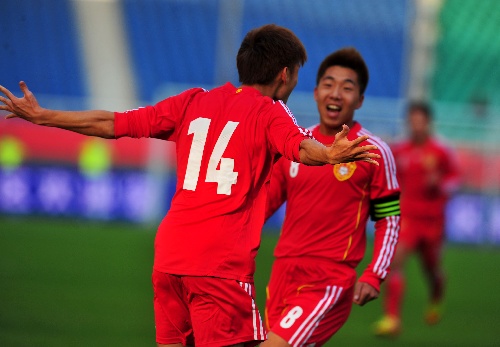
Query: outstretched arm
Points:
[341, 151]
[94, 123]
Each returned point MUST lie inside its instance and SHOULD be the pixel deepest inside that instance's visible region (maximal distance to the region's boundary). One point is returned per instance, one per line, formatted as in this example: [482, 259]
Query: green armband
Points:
[385, 207]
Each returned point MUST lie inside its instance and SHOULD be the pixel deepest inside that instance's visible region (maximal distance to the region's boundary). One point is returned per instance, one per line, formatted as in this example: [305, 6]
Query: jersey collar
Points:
[326, 139]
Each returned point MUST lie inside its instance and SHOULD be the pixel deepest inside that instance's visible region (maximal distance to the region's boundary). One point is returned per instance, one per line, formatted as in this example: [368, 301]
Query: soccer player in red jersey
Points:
[227, 140]
[323, 238]
[428, 174]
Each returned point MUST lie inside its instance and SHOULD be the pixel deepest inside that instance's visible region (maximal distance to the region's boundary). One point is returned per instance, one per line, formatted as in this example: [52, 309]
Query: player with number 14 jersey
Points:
[213, 226]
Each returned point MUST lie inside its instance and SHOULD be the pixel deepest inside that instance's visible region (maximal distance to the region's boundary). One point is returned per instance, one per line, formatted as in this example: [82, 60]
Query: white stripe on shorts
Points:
[258, 328]
[312, 321]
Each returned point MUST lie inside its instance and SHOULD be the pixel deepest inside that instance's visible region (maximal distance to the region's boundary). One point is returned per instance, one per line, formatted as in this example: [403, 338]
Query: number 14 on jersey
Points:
[225, 176]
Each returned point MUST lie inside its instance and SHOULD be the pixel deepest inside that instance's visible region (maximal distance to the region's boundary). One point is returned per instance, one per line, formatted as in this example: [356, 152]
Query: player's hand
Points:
[363, 293]
[26, 107]
[343, 150]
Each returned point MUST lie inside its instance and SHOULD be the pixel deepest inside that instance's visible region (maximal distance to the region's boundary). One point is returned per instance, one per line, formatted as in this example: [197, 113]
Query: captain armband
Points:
[385, 207]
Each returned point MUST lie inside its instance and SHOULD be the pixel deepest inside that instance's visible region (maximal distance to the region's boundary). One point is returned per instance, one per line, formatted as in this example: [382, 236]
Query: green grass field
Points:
[76, 283]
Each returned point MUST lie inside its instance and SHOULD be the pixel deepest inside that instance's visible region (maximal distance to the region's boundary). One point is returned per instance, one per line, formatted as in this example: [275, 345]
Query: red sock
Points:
[437, 289]
[394, 294]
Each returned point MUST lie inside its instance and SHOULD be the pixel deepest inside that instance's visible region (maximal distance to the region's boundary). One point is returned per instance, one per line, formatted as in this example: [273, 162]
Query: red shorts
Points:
[205, 311]
[421, 232]
[308, 300]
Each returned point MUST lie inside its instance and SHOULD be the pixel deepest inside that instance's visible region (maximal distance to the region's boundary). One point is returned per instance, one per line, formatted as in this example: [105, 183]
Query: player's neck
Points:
[266, 90]
[420, 140]
[332, 131]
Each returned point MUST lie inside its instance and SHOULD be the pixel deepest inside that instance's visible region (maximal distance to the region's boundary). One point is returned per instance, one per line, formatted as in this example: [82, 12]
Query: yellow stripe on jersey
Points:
[358, 219]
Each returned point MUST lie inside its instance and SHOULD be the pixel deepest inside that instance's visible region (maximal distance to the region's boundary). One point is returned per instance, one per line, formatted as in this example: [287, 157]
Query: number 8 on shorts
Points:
[291, 317]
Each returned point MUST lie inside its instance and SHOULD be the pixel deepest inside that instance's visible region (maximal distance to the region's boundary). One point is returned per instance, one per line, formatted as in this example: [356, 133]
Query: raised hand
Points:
[343, 150]
[26, 107]
[92, 122]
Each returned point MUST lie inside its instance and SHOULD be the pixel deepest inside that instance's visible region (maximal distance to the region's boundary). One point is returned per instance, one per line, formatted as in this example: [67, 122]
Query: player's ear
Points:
[316, 93]
[360, 101]
[285, 75]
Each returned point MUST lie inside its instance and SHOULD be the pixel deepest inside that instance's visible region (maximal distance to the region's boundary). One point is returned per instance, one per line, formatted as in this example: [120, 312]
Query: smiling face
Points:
[337, 96]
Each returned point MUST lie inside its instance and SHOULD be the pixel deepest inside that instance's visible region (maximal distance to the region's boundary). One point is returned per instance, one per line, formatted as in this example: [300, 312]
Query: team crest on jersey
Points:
[344, 171]
[430, 162]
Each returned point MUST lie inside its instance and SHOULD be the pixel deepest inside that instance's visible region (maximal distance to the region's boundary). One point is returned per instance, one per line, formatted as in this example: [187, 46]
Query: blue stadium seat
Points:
[172, 42]
[378, 29]
[175, 41]
[39, 44]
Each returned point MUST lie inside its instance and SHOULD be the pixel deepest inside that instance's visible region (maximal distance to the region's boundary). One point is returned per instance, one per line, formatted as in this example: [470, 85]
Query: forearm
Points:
[312, 153]
[384, 246]
[94, 123]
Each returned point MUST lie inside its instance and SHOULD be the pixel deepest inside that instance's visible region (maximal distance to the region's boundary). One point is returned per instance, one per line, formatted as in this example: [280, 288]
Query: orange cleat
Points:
[433, 314]
[387, 326]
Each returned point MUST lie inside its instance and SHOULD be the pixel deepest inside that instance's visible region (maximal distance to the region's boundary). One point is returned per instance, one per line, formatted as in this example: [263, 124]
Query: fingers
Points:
[364, 297]
[360, 299]
[360, 139]
[357, 294]
[24, 87]
[6, 105]
[342, 133]
[6, 92]
[367, 148]
[363, 155]
[368, 157]
[6, 108]
[371, 161]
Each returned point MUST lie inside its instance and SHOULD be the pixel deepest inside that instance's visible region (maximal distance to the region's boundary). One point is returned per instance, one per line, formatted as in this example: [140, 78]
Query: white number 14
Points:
[225, 176]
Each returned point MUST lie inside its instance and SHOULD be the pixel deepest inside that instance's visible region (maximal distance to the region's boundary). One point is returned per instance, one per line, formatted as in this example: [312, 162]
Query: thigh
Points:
[315, 314]
[410, 234]
[431, 243]
[280, 286]
[172, 318]
[223, 312]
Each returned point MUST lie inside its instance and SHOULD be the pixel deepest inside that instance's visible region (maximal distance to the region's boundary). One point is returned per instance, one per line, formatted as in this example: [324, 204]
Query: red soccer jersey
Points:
[328, 207]
[427, 174]
[226, 140]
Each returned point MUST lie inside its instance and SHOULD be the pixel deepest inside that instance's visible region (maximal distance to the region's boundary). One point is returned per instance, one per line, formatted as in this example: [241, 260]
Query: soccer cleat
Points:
[387, 326]
[433, 314]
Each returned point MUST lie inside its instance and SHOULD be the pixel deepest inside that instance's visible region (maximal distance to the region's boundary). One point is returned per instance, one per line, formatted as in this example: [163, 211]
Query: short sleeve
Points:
[158, 121]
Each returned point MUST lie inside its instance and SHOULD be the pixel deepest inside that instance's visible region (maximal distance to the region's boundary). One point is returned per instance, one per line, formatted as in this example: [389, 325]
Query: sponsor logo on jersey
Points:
[344, 171]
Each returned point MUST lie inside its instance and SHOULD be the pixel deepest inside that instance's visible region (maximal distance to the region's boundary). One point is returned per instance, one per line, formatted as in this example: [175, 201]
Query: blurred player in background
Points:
[323, 239]
[428, 174]
[227, 140]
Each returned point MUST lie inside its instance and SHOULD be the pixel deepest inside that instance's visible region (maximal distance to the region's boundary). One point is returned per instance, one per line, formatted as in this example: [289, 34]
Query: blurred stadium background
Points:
[77, 214]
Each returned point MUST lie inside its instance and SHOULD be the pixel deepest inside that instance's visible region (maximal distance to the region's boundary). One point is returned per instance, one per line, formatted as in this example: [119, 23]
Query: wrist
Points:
[331, 155]
[40, 116]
